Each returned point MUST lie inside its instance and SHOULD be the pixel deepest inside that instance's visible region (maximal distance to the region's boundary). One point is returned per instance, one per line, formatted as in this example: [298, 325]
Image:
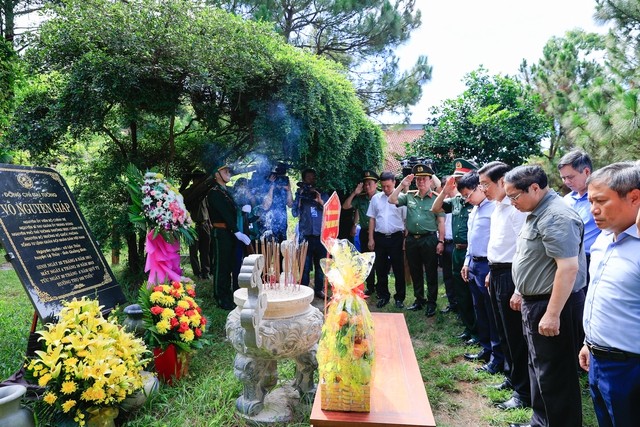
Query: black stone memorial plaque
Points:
[49, 243]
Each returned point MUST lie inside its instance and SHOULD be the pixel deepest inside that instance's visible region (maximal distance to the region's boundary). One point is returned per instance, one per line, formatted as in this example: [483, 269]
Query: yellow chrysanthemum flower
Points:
[187, 336]
[184, 304]
[49, 398]
[68, 405]
[156, 297]
[68, 387]
[163, 326]
[167, 313]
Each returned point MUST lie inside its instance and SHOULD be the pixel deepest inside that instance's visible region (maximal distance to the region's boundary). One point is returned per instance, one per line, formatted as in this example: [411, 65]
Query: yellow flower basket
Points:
[346, 350]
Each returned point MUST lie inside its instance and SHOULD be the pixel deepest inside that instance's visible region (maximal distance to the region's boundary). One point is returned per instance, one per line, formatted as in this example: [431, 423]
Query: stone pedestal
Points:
[267, 326]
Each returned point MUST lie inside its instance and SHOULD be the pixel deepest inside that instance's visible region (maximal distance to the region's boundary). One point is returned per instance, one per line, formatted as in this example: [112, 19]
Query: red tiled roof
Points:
[397, 136]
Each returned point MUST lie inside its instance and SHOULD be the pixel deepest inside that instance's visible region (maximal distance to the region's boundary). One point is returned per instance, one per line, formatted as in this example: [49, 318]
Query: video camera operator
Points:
[308, 208]
[276, 201]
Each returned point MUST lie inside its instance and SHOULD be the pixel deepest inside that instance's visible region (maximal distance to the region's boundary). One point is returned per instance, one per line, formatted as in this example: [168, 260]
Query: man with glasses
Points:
[506, 222]
[475, 270]
[575, 168]
[611, 352]
[422, 242]
[549, 272]
[460, 209]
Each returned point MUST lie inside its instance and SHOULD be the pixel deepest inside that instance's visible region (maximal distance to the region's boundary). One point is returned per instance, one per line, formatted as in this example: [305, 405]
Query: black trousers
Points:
[463, 293]
[363, 237]
[509, 324]
[422, 258]
[223, 254]
[447, 275]
[199, 250]
[555, 391]
[388, 251]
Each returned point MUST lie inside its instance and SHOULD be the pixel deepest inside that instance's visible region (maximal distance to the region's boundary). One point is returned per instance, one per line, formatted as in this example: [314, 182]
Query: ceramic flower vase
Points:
[102, 417]
[171, 364]
[138, 399]
[11, 413]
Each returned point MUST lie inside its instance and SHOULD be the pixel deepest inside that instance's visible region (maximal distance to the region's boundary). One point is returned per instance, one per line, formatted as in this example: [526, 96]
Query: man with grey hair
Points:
[549, 272]
[611, 352]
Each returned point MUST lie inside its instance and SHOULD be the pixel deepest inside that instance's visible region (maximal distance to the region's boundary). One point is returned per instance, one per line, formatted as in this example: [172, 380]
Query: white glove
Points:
[246, 208]
[242, 237]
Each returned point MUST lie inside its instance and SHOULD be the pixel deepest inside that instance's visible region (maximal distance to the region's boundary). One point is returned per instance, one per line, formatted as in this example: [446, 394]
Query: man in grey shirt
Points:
[549, 270]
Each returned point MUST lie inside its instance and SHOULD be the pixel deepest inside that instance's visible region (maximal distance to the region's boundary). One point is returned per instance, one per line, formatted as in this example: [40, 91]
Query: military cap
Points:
[422, 170]
[463, 166]
[369, 174]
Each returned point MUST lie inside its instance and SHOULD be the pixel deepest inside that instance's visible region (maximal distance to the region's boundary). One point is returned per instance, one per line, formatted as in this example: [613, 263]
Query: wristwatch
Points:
[441, 241]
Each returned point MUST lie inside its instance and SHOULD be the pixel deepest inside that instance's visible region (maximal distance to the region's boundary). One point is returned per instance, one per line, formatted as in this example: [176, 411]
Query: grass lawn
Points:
[458, 395]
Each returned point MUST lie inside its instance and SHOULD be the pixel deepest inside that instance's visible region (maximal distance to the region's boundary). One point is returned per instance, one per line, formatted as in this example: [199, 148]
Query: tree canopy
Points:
[495, 118]
[362, 35]
[589, 86]
[179, 85]
[174, 82]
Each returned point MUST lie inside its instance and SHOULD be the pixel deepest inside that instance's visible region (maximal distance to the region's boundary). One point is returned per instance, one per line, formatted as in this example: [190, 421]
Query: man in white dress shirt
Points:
[506, 222]
[386, 238]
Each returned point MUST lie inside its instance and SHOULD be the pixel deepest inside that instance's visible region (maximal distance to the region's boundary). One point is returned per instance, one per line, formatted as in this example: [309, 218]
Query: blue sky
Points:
[459, 35]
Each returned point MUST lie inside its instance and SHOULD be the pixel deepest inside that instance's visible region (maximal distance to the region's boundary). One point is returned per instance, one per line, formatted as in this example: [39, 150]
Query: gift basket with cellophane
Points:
[346, 349]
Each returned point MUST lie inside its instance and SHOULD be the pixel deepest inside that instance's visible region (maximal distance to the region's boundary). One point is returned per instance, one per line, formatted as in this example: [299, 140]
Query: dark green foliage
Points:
[496, 118]
[568, 66]
[7, 81]
[588, 86]
[174, 85]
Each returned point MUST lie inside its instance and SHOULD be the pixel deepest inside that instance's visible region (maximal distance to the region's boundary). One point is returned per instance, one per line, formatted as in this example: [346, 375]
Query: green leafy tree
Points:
[362, 35]
[175, 85]
[496, 118]
[568, 66]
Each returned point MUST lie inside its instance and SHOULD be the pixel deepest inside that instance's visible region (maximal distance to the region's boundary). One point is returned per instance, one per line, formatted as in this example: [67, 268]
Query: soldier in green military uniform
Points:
[359, 200]
[422, 242]
[223, 213]
[460, 209]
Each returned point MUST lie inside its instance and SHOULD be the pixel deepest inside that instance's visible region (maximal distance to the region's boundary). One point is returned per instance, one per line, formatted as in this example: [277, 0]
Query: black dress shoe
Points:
[448, 309]
[368, 292]
[490, 368]
[471, 341]
[382, 302]
[513, 403]
[399, 304]
[415, 306]
[504, 385]
[320, 294]
[483, 356]
[464, 336]
[431, 311]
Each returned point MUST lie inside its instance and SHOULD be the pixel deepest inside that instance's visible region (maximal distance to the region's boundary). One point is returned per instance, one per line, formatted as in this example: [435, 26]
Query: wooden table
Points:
[398, 396]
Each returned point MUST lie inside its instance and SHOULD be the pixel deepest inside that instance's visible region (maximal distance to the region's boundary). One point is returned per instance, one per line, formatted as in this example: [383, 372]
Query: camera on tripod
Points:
[408, 164]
